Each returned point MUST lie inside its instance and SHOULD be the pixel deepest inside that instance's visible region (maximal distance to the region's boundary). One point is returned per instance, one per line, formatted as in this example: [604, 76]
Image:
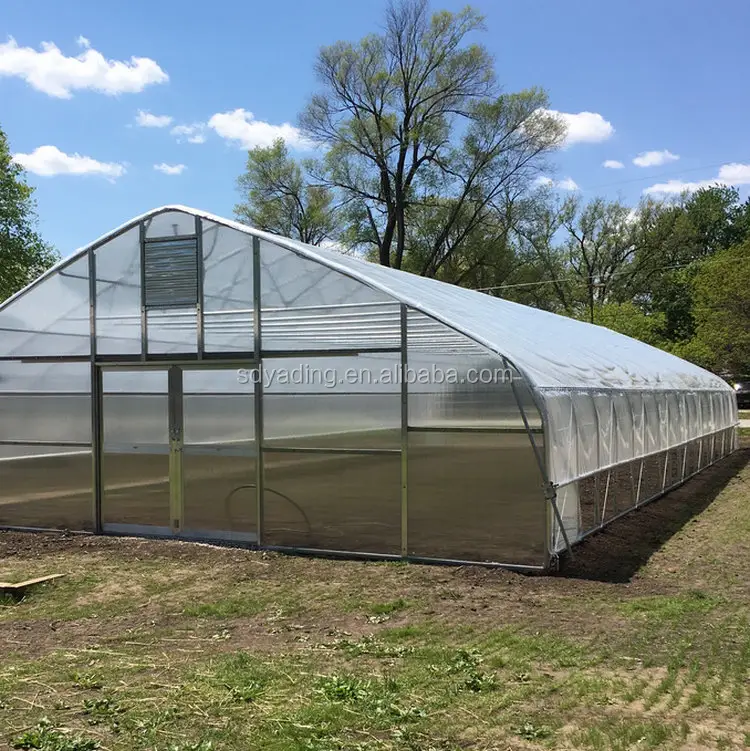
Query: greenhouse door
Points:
[178, 453]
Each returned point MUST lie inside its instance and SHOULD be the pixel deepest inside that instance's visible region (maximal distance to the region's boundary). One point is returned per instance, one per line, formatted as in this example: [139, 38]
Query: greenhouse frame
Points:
[188, 376]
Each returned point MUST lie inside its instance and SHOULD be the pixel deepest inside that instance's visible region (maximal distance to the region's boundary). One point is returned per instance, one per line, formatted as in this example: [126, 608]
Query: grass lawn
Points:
[642, 642]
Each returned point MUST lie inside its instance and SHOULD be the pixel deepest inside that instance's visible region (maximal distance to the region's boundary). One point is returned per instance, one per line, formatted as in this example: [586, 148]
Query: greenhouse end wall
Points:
[127, 417]
[140, 393]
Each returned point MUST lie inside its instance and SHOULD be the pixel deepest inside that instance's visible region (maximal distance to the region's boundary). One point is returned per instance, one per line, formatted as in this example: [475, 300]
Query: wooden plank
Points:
[9, 588]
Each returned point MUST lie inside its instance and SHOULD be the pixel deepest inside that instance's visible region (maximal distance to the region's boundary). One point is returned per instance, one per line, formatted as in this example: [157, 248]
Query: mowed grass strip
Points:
[172, 647]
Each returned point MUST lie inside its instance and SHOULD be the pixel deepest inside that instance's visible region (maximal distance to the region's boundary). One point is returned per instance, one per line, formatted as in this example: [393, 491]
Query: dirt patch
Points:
[35, 544]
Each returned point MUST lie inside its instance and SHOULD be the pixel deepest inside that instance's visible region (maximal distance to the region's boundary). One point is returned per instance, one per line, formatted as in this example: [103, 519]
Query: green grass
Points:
[387, 608]
[231, 607]
[670, 607]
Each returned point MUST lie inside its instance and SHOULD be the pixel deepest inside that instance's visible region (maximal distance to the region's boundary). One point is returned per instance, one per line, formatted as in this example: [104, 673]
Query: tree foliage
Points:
[412, 132]
[652, 272]
[23, 253]
[279, 198]
[424, 164]
[721, 289]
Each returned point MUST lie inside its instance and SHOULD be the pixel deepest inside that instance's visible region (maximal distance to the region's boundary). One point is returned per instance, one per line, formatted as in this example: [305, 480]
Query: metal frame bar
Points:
[45, 358]
[354, 554]
[434, 429]
[633, 497]
[258, 391]
[643, 447]
[329, 352]
[403, 325]
[700, 439]
[270, 448]
[612, 431]
[162, 362]
[144, 316]
[96, 404]
[550, 493]
[73, 444]
[597, 498]
[666, 451]
[58, 530]
[171, 238]
[45, 394]
[228, 357]
[574, 423]
[176, 441]
[200, 333]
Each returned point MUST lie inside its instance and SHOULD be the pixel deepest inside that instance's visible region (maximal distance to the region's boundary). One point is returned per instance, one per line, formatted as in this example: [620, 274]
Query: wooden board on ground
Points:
[6, 588]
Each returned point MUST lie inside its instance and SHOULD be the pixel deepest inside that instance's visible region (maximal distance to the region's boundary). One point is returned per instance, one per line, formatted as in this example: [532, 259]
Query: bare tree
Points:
[412, 119]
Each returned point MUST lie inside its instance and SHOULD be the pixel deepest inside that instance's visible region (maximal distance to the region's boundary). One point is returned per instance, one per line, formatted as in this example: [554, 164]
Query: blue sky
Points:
[668, 77]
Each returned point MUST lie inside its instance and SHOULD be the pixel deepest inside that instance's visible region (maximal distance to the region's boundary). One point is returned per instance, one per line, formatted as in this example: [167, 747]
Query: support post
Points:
[95, 381]
[644, 432]
[550, 492]
[258, 392]
[144, 317]
[666, 453]
[404, 435]
[176, 441]
[597, 498]
[199, 308]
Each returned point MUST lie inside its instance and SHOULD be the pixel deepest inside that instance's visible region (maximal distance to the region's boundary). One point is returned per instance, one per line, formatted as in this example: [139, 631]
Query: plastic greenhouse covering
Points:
[186, 375]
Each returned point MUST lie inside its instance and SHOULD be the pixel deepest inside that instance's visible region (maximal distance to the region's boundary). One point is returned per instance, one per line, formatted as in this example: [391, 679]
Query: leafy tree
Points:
[412, 121]
[544, 279]
[23, 253]
[486, 257]
[721, 289]
[678, 237]
[585, 255]
[279, 198]
[629, 319]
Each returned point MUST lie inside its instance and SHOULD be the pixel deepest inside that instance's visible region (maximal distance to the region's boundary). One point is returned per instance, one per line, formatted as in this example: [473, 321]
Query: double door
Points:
[178, 452]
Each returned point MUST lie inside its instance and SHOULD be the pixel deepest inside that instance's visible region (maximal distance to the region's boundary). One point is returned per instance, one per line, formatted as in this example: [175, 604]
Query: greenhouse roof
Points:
[553, 351]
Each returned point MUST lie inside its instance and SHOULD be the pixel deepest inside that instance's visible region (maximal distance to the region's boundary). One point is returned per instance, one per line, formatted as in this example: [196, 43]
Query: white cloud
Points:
[147, 120]
[194, 133]
[612, 164]
[654, 158]
[170, 169]
[584, 127]
[567, 183]
[49, 160]
[733, 174]
[241, 127]
[52, 72]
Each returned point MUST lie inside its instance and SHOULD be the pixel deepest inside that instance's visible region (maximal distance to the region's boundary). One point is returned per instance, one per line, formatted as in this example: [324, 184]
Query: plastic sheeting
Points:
[622, 420]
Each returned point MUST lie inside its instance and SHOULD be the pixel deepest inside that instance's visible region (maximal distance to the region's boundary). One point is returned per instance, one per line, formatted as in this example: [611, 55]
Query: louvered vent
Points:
[171, 273]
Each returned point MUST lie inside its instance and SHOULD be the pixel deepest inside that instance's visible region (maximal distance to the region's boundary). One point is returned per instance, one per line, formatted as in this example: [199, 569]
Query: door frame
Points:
[174, 526]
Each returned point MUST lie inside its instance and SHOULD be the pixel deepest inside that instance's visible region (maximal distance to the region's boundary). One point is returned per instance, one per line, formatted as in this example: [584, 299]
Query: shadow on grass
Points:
[619, 550]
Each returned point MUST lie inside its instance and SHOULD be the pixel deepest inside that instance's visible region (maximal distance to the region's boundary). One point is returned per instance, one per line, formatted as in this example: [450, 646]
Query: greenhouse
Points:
[188, 376]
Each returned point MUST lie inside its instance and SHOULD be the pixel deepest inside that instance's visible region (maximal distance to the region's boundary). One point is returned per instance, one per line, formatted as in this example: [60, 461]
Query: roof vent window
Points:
[171, 273]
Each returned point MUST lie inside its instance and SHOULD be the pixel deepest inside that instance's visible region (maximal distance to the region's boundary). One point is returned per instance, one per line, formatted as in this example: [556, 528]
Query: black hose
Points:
[253, 486]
